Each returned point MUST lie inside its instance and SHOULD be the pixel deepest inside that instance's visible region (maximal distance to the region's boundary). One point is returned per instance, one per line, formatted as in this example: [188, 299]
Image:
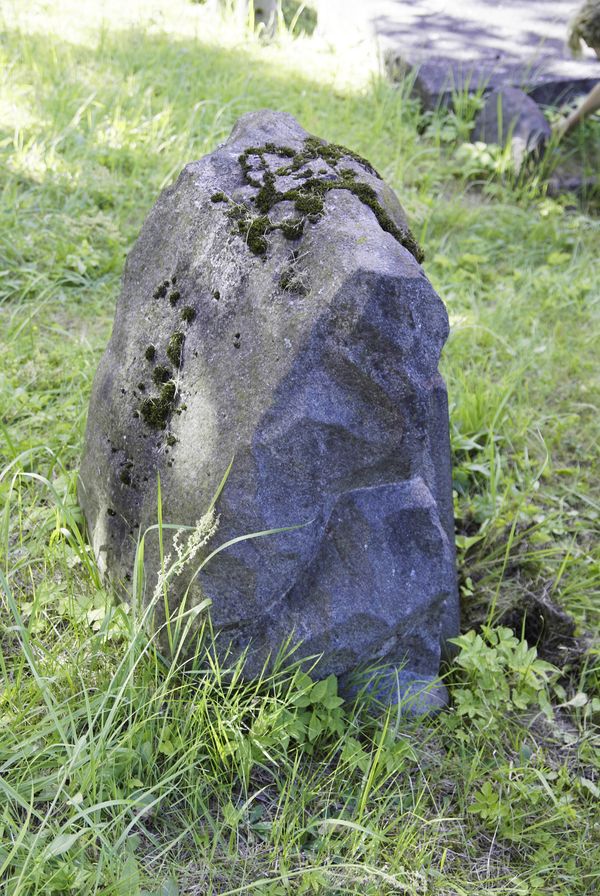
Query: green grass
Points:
[120, 775]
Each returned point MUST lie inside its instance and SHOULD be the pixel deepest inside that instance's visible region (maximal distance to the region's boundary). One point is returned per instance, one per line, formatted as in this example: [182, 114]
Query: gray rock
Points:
[297, 334]
[510, 116]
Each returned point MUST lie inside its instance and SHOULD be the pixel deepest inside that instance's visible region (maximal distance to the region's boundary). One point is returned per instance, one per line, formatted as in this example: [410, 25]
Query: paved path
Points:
[478, 42]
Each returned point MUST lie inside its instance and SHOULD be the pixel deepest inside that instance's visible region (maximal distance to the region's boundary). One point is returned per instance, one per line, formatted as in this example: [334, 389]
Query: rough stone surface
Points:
[299, 336]
[510, 116]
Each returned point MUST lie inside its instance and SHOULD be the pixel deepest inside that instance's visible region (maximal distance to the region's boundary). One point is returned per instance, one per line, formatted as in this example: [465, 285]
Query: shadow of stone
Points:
[552, 630]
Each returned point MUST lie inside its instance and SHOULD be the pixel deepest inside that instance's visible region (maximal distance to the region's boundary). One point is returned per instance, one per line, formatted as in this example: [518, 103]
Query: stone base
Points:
[414, 695]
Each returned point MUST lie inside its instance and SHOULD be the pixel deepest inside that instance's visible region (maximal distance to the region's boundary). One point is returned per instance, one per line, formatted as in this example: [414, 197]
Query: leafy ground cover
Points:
[120, 775]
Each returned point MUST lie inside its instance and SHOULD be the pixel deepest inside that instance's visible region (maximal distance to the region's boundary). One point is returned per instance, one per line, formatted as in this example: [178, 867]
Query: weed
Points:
[500, 674]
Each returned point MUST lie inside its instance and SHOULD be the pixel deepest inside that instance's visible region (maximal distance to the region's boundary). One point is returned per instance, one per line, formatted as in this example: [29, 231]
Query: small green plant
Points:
[530, 806]
[500, 674]
[319, 713]
[476, 160]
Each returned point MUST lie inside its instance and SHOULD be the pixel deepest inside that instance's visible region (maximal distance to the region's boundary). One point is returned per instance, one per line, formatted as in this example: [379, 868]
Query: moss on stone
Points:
[155, 412]
[309, 195]
[267, 196]
[309, 204]
[285, 281]
[291, 282]
[315, 148]
[292, 229]
[277, 150]
[368, 196]
[255, 232]
[247, 167]
[237, 213]
[175, 349]
[161, 374]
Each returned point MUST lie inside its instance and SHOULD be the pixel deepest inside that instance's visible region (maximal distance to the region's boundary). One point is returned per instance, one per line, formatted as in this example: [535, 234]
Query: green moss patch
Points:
[155, 412]
[291, 281]
[161, 290]
[254, 225]
[188, 314]
[161, 374]
[175, 349]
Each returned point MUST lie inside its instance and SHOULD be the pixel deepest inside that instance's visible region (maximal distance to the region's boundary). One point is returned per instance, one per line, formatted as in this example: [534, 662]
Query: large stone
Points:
[511, 118]
[273, 312]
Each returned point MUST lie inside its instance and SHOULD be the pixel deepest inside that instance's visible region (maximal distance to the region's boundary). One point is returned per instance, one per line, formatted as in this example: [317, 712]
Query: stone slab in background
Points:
[273, 311]
[481, 44]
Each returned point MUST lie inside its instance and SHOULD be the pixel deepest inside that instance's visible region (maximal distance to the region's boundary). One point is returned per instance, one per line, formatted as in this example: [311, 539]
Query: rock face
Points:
[273, 311]
[510, 116]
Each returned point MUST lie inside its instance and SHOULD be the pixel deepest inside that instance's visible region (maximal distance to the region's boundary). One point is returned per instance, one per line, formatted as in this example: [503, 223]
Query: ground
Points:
[121, 775]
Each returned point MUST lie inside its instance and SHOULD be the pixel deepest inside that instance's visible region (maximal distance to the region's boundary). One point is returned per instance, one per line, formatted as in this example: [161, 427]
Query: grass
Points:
[120, 775]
